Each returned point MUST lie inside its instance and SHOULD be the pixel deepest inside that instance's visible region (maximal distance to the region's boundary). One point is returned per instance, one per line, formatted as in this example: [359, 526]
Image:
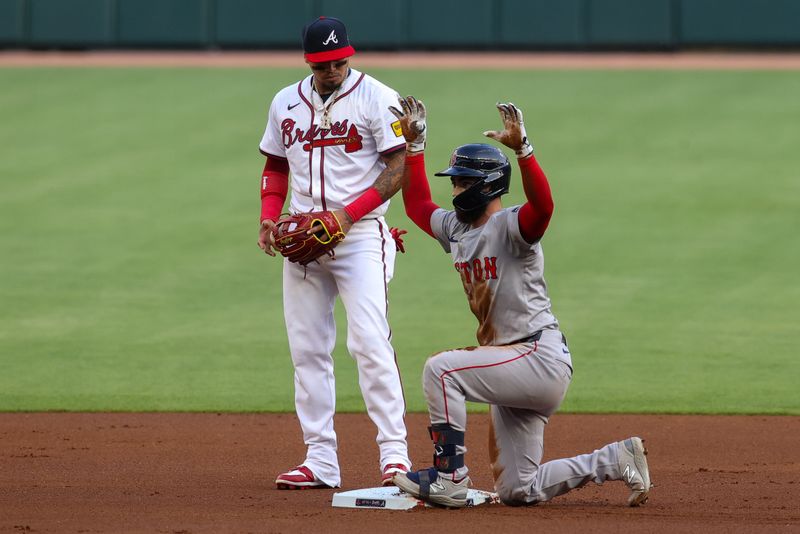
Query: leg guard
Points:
[446, 441]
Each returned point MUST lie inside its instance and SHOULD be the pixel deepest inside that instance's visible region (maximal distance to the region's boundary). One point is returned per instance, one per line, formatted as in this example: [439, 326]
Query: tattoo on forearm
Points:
[390, 180]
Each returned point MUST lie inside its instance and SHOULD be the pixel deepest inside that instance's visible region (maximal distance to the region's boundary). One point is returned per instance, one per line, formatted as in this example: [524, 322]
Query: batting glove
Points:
[397, 235]
[412, 116]
[514, 135]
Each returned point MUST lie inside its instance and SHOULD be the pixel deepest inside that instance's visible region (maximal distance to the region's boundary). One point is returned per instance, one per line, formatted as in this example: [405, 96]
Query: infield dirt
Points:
[182, 473]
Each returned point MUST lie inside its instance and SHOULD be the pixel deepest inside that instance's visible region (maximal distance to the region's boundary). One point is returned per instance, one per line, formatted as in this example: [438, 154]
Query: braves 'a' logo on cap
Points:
[331, 37]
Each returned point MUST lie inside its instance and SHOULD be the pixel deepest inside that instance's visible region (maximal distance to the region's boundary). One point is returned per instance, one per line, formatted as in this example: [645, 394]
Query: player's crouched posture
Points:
[522, 367]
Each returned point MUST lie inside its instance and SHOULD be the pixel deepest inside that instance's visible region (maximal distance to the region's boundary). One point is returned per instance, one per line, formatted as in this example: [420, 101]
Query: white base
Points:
[392, 498]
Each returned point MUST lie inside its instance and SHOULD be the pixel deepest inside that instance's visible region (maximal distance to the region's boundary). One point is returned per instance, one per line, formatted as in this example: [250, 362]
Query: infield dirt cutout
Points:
[190, 473]
[182, 473]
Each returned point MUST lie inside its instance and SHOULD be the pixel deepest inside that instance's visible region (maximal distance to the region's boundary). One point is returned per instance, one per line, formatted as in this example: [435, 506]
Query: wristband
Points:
[364, 204]
[271, 207]
[414, 147]
[526, 149]
[274, 188]
[415, 158]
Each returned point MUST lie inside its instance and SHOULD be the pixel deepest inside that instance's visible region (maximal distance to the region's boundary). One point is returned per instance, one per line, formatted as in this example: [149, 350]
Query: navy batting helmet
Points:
[484, 162]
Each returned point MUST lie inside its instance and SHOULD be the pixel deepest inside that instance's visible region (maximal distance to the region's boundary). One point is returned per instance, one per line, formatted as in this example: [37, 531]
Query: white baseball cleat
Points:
[633, 469]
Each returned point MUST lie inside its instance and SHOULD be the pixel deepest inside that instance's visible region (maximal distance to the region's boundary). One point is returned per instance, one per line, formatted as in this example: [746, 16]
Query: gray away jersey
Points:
[501, 272]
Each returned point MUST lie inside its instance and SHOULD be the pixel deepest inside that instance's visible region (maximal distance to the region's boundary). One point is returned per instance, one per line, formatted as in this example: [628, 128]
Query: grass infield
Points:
[130, 278]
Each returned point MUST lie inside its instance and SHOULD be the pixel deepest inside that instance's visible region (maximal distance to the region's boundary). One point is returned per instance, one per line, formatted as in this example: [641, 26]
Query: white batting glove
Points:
[513, 135]
[412, 116]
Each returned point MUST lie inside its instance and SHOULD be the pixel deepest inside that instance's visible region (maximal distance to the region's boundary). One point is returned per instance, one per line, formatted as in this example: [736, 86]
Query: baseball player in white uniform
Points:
[334, 133]
[523, 366]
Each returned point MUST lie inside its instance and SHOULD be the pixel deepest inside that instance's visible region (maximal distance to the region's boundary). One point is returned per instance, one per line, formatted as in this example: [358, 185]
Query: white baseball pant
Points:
[359, 273]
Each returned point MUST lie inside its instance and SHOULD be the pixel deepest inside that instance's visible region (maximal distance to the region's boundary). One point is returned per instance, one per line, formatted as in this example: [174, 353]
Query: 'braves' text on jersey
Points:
[359, 129]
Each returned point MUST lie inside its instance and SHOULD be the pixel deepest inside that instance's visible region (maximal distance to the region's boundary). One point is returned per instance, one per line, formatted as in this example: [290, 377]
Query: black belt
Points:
[536, 336]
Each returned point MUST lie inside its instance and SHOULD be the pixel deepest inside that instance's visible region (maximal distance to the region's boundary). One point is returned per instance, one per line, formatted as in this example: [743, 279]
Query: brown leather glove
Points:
[294, 242]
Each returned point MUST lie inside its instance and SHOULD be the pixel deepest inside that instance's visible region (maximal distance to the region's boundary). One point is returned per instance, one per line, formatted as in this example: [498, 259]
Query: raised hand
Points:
[412, 116]
[513, 134]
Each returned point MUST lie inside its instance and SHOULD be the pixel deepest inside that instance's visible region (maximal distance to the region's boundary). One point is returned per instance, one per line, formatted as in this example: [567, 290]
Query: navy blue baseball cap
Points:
[325, 39]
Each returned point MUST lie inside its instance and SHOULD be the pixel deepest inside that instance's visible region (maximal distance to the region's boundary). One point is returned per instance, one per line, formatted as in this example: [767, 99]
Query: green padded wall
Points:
[71, 23]
[12, 21]
[403, 24]
[164, 22]
[629, 22]
[370, 23]
[542, 23]
[442, 23]
[740, 22]
[260, 23]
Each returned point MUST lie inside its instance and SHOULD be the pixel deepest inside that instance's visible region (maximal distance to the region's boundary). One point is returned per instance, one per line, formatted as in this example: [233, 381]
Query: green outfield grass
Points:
[130, 278]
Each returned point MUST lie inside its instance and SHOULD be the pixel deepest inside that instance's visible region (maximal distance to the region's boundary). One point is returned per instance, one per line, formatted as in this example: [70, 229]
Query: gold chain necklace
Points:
[325, 123]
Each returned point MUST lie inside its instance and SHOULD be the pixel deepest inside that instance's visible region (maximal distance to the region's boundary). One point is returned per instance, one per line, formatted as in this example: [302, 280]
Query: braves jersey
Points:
[332, 166]
[501, 272]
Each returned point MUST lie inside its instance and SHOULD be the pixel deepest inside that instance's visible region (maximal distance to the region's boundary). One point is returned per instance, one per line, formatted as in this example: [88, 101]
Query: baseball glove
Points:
[294, 242]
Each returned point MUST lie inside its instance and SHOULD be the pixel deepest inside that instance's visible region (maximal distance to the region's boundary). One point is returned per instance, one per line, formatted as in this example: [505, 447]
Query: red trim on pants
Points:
[442, 376]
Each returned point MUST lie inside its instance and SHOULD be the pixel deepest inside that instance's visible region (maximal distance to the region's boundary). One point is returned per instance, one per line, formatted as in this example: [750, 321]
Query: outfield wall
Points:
[403, 24]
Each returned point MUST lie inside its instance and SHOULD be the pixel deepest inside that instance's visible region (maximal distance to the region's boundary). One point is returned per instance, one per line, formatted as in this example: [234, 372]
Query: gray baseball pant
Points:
[525, 384]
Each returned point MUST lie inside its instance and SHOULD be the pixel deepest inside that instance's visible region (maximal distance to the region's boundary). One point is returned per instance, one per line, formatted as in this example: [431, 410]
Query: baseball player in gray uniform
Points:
[522, 366]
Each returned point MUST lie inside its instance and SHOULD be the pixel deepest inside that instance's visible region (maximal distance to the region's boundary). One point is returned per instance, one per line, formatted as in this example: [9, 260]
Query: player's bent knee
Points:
[516, 502]
[513, 495]
[434, 364]
[430, 377]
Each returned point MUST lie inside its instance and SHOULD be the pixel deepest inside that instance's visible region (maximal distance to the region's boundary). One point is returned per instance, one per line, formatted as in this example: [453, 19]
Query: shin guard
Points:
[446, 441]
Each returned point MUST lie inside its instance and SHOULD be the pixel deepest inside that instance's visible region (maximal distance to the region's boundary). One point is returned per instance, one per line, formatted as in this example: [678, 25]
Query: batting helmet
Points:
[484, 162]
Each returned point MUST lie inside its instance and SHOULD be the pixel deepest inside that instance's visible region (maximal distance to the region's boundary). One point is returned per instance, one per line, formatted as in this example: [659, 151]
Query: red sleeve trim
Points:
[394, 149]
[271, 155]
[417, 193]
